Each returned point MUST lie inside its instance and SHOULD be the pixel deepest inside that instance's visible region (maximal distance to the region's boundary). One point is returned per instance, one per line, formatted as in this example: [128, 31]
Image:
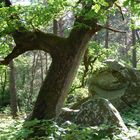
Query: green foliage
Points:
[132, 115]
[134, 10]
[134, 6]
[49, 130]
[4, 91]
[9, 127]
[29, 17]
[98, 51]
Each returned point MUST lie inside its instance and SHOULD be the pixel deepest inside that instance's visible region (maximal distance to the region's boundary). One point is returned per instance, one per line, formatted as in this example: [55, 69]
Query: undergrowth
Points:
[11, 129]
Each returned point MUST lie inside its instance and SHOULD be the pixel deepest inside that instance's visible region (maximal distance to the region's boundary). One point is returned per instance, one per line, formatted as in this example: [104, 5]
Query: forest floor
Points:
[11, 129]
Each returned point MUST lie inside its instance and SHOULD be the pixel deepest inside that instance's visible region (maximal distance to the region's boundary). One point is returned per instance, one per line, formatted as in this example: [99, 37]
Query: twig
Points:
[119, 7]
[111, 29]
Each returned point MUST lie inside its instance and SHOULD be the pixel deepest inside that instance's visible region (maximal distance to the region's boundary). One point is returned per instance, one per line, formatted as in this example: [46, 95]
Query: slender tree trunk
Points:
[46, 60]
[41, 67]
[107, 34]
[126, 39]
[12, 87]
[134, 53]
[32, 74]
[33, 71]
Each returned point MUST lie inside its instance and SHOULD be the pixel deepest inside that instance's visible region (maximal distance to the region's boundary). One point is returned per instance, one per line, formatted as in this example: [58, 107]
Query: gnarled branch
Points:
[15, 53]
[36, 40]
[31, 40]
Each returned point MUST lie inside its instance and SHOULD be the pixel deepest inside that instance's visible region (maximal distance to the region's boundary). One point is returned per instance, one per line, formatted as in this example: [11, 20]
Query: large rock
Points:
[117, 83]
[92, 113]
[99, 111]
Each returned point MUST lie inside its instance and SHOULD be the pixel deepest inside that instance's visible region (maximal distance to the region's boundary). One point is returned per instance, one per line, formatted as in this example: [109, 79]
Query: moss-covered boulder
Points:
[93, 112]
[99, 111]
[116, 82]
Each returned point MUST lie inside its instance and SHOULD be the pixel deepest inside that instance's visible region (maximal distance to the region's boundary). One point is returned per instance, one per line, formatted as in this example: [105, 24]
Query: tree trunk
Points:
[41, 67]
[46, 60]
[60, 76]
[134, 53]
[55, 27]
[12, 87]
[107, 34]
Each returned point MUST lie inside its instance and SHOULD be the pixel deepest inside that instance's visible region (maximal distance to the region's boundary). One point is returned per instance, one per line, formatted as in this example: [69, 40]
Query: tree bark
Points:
[60, 76]
[12, 87]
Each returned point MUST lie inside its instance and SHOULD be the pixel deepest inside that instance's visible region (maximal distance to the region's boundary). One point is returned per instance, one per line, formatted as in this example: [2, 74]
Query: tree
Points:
[12, 89]
[107, 33]
[66, 53]
[134, 53]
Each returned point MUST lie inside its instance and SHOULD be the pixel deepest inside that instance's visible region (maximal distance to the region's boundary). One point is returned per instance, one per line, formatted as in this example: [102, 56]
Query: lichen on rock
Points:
[99, 111]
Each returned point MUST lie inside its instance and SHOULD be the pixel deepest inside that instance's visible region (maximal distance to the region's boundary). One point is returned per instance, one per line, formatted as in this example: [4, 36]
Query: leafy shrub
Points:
[49, 130]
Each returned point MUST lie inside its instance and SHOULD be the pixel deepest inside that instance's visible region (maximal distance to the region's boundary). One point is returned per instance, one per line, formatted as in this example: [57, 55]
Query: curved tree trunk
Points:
[59, 79]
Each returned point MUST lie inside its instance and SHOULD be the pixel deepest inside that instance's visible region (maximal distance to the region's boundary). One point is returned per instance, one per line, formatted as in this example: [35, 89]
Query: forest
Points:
[69, 69]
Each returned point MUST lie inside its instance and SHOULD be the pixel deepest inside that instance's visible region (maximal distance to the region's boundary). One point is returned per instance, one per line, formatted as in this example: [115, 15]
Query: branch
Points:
[119, 7]
[30, 40]
[84, 25]
[37, 40]
[112, 29]
[15, 53]
[7, 3]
